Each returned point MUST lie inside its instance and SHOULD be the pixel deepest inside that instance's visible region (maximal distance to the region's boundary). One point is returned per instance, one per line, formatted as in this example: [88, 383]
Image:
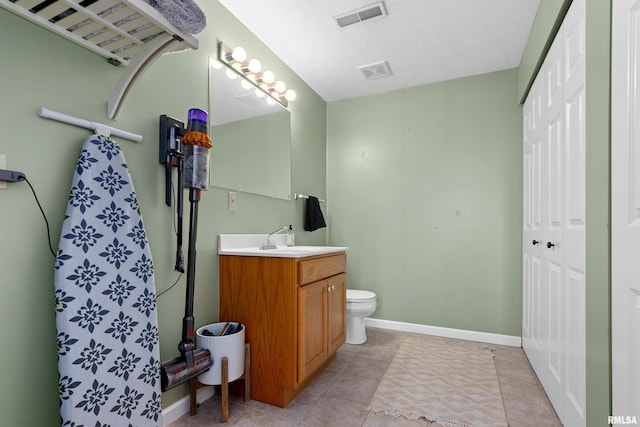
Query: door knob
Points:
[535, 242]
[550, 245]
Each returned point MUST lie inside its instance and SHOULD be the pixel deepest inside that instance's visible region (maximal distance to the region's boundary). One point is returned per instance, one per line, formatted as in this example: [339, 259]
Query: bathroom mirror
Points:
[251, 139]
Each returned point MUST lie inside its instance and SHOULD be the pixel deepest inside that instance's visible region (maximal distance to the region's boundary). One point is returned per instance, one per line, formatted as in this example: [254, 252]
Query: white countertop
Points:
[249, 245]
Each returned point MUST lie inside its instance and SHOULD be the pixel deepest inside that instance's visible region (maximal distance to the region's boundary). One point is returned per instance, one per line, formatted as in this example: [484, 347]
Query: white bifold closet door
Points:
[625, 207]
[554, 256]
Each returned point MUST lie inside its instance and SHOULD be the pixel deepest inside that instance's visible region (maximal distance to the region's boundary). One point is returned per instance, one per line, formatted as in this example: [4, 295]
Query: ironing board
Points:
[108, 350]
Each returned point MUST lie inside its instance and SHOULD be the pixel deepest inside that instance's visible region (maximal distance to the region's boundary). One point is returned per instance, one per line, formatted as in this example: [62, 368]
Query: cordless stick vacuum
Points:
[192, 155]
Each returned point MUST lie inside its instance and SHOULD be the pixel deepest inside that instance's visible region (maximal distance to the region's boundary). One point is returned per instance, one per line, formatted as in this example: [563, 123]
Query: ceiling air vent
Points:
[250, 99]
[367, 12]
[375, 71]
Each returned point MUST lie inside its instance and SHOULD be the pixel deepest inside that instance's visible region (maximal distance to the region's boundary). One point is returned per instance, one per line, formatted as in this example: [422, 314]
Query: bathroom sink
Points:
[249, 245]
[283, 251]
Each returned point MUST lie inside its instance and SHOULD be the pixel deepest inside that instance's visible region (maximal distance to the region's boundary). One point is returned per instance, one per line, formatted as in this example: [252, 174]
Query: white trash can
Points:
[230, 346]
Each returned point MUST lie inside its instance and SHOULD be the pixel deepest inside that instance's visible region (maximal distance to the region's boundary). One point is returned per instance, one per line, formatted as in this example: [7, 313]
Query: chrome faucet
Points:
[268, 244]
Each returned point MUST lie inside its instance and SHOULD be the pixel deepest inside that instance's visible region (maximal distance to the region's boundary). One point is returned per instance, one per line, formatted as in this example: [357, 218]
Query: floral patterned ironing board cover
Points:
[109, 362]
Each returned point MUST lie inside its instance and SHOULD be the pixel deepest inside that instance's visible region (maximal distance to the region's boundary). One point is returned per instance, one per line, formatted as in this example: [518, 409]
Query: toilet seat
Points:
[357, 295]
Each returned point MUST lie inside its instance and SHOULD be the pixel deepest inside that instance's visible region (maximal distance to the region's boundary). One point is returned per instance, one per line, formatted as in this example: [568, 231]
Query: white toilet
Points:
[360, 304]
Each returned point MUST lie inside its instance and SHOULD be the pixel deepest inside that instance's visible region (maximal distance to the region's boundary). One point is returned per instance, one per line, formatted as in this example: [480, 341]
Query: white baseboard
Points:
[174, 411]
[438, 331]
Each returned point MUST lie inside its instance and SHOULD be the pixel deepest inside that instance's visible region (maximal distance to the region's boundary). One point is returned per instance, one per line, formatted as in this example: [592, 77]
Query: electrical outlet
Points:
[233, 199]
[3, 165]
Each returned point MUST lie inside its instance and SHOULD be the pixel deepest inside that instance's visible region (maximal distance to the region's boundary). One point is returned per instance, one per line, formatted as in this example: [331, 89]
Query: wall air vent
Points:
[376, 71]
[367, 12]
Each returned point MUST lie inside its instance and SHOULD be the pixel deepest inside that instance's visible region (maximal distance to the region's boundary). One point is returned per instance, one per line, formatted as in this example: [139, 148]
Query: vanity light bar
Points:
[251, 70]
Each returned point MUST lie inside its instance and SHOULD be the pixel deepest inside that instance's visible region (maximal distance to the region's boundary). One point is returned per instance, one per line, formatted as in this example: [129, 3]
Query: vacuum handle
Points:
[167, 180]
[180, 208]
[194, 198]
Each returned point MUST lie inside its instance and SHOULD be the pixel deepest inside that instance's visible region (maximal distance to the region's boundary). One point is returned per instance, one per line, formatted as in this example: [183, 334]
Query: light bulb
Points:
[290, 95]
[231, 74]
[255, 66]
[268, 77]
[259, 93]
[270, 100]
[280, 86]
[245, 84]
[239, 54]
[215, 63]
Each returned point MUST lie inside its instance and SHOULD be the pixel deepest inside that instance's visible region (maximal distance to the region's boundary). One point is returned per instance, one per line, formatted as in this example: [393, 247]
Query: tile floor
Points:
[340, 394]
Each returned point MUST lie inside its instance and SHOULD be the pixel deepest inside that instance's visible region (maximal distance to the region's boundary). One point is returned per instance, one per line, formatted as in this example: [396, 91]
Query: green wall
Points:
[41, 69]
[598, 110]
[425, 187]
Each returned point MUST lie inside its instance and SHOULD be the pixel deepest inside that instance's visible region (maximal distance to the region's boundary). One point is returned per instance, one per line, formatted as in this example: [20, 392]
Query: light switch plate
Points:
[3, 165]
[233, 200]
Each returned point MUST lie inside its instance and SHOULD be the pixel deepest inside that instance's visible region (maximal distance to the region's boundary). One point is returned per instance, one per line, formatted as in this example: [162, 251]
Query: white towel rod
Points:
[297, 196]
[99, 128]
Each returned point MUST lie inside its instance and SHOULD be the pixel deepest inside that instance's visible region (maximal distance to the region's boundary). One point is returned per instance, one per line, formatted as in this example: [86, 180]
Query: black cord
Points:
[173, 220]
[44, 216]
[51, 246]
[170, 287]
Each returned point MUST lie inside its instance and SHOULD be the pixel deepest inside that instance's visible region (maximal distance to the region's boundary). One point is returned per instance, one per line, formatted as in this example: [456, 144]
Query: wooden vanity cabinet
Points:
[321, 322]
[294, 312]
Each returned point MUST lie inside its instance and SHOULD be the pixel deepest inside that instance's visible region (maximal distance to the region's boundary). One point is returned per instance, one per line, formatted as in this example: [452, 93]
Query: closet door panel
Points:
[532, 220]
[573, 412]
[537, 325]
[552, 372]
[575, 160]
[554, 189]
[575, 164]
[554, 348]
[554, 300]
[527, 235]
[574, 348]
[536, 302]
[554, 155]
[527, 281]
[628, 402]
[625, 207]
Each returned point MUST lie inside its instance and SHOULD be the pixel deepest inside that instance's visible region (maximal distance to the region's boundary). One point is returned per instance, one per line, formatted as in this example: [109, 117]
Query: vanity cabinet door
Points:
[312, 327]
[337, 311]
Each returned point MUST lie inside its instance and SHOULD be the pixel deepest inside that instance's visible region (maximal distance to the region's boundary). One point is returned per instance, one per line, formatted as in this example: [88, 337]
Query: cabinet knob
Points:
[535, 242]
[550, 245]
[333, 287]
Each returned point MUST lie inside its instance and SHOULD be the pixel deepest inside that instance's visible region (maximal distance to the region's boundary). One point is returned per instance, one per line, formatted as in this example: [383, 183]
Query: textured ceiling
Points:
[422, 41]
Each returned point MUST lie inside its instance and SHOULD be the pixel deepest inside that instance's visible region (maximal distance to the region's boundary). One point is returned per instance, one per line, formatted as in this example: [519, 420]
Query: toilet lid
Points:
[359, 295]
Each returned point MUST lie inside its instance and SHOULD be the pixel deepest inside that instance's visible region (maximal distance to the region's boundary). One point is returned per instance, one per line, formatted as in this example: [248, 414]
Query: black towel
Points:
[313, 218]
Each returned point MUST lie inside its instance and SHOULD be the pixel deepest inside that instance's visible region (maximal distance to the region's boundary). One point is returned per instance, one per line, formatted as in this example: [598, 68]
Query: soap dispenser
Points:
[290, 237]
